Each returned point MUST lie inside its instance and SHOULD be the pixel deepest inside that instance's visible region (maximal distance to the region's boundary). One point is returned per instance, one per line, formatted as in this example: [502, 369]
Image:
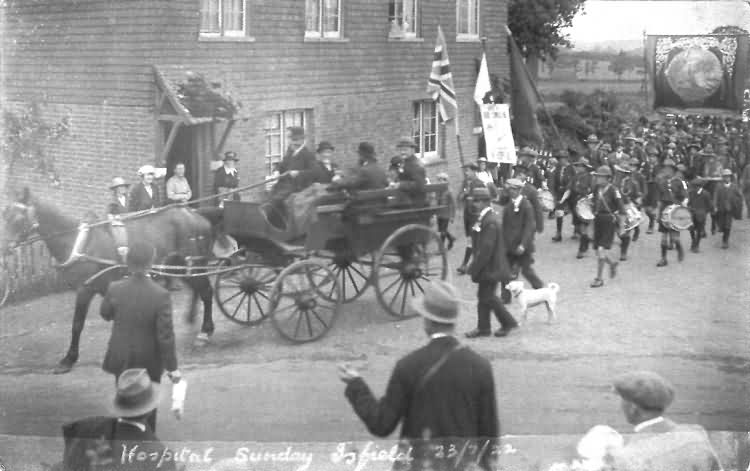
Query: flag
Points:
[524, 103]
[483, 82]
[440, 83]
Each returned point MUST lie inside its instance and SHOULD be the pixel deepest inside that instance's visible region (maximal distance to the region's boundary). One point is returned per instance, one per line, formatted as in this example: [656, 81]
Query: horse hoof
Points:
[62, 368]
[201, 340]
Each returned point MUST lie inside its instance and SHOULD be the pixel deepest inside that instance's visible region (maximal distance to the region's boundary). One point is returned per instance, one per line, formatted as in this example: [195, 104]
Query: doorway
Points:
[183, 151]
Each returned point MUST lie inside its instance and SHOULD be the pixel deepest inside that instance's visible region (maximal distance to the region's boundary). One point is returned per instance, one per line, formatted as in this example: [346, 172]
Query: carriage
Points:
[354, 241]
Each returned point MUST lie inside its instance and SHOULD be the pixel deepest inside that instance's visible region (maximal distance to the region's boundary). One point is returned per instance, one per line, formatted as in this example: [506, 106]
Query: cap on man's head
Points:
[481, 194]
[645, 389]
[231, 155]
[297, 132]
[140, 254]
[324, 146]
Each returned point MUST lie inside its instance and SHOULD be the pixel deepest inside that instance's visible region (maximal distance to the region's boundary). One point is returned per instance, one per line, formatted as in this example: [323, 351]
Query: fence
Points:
[30, 272]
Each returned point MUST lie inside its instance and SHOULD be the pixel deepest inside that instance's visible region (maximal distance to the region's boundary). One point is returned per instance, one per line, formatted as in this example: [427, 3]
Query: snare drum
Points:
[633, 217]
[547, 200]
[677, 217]
[585, 208]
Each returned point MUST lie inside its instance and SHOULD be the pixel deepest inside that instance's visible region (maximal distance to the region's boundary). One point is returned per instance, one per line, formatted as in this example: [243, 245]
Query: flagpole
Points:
[645, 68]
[536, 91]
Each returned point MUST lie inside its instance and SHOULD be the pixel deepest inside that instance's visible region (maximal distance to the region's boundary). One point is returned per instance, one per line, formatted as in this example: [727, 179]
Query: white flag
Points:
[483, 82]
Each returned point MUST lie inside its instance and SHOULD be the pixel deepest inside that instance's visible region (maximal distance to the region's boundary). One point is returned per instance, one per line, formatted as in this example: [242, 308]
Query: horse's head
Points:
[20, 219]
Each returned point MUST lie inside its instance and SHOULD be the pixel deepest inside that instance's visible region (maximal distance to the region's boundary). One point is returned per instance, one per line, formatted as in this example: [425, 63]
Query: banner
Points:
[497, 134]
[698, 71]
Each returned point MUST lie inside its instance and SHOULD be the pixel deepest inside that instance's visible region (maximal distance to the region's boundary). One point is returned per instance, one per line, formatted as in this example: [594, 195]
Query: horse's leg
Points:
[84, 295]
[202, 287]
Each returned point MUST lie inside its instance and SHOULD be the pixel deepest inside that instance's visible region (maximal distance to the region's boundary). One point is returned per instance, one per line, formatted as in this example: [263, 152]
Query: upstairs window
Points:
[402, 16]
[223, 18]
[467, 19]
[322, 18]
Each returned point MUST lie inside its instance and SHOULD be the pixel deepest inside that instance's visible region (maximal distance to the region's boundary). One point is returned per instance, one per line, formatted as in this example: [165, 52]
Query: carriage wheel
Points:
[409, 258]
[300, 313]
[353, 277]
[244, 295]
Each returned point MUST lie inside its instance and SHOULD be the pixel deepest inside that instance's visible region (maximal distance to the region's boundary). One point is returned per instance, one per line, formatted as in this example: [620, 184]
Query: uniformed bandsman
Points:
[470, 183]
[649, 170]
[631, 193]
[560, 186]
[607, 206]
[701, 205]
[583, 186]
[672, 190]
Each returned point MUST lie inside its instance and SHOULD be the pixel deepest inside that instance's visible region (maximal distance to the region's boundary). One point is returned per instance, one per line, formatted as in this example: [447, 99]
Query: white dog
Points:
[531, 297]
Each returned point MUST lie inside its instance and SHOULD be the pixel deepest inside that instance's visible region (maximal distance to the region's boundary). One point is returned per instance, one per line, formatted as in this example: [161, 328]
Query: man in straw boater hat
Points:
[658, 443]
[142, 332]
[608, 208]
[672, 190]
[442, 391]
[125, 441]
[490, 266]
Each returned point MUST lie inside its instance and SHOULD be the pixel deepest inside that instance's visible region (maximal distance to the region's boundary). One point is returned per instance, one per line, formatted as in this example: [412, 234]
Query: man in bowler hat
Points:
[489, 266]
[142, 333]
[368, 176]
[438, 392]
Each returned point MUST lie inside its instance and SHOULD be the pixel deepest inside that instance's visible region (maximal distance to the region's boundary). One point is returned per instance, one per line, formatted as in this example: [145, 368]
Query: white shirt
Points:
[230, 171]
[648, 423]
[485, 177]
[138, 425]
[149, 190]
[484, 213]
[123, 200]
[438, 335]
[517, 203]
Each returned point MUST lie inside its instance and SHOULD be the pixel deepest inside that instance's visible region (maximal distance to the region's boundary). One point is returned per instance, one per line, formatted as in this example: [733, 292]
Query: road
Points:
[688, 321]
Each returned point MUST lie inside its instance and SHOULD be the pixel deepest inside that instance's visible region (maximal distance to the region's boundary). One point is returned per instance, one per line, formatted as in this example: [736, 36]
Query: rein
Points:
[135, 215]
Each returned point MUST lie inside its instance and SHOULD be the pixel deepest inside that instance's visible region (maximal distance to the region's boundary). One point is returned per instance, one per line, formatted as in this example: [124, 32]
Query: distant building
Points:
[345, 70]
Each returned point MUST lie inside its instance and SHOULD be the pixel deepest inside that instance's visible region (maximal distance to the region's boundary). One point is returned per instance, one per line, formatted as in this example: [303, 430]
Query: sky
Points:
[606, 20]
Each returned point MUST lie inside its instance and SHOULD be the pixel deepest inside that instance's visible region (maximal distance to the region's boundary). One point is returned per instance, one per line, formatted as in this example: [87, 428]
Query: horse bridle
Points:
[31, 225]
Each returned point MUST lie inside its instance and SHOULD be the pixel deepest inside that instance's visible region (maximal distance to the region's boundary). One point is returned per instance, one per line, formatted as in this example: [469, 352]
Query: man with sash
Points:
[607, 206]
[582, 188]
[560, 185]
[631, 194]
[672, 190]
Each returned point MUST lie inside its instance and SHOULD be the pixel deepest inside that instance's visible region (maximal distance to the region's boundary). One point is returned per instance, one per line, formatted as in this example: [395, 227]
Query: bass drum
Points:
[547, 200]
[633, 217]
[677, 217]
[585, 208]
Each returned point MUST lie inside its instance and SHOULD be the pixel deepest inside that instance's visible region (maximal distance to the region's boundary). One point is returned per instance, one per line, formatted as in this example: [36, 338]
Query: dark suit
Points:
[222, 179]
[727, 202]
[530, 193]
[701, 205]
[115, 207]
[518, 229]
[106, 437]
[142, 333]
[490, 266]
[413, 179]
[304, 162]
[369, 176]
[139, 199]
[458, 401]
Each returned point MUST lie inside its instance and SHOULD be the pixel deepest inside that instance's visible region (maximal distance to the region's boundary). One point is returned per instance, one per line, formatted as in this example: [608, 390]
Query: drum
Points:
[585, 208]
[547, 200]
[677, 217]
[633, 217]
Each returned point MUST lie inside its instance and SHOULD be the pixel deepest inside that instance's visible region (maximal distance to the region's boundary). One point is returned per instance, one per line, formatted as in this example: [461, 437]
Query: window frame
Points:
[477, 21]
[401, 33]
[222, 33]
[420, 133]
[320, 33]
[286, 119]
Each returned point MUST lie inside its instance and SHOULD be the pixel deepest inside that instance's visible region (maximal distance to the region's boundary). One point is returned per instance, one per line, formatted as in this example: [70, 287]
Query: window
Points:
[402, 16]
[323, 18]
[223, 17]
[426, 129]
[275, 133]
[467, 19]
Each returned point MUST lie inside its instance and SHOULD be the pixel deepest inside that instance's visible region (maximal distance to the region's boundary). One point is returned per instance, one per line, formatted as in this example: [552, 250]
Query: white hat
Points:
[146, 169]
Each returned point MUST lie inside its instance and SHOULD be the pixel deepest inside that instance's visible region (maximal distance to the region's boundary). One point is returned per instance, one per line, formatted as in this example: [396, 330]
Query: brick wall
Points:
[94, 57]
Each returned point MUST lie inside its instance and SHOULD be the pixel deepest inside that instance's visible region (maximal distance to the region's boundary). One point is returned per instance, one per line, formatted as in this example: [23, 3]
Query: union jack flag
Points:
[440, 83]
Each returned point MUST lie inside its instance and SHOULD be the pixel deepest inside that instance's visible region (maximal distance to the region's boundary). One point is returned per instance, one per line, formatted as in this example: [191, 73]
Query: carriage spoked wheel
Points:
[353, 275]
[244, 295]
[299, 311]
[411, 257]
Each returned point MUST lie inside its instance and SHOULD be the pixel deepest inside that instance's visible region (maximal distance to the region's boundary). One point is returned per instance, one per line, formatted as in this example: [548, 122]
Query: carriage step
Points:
[289, 249]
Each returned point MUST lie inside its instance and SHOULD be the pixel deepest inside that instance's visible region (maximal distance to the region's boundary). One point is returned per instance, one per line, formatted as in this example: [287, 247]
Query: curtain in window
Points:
[430, 126]
[331, 16]
[233, 15]
[210, 16]
[312, 15]
[410, 16]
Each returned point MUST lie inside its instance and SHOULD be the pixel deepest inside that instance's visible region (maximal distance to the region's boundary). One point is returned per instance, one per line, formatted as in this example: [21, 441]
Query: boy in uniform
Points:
[631, 193]
[672, 190]
[701, 205]
[607, 205]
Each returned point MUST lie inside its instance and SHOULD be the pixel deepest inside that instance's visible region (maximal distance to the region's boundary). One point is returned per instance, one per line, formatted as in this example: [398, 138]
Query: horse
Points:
[175, 232]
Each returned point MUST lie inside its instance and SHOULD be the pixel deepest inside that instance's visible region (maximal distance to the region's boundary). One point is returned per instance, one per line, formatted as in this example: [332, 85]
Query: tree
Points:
[538, 25]
[619, 64]
[728, 29]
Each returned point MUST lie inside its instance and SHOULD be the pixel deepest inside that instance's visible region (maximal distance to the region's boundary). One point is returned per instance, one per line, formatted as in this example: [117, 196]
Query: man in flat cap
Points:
[368, 176]
[413, 177]
[325, 155]
[518, 227]
[658, 443]
[471, 181]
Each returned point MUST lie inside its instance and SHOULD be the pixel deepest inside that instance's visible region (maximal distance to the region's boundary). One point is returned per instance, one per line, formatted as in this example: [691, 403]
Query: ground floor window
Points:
[426, 129]
[276, 135]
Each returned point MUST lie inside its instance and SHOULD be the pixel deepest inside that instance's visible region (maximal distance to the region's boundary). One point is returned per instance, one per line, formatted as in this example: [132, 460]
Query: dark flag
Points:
[524, 103]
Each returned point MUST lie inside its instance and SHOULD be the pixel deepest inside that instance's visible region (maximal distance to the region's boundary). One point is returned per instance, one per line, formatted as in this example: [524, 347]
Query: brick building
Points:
[347, 70]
